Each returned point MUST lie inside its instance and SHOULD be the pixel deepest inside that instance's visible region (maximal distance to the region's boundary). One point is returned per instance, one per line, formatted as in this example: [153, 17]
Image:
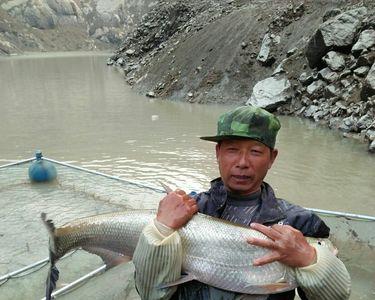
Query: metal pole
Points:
[104, 175]
[17, 163]
[11, 274]
[341, 214]
[78, 281]
[335, 213]
[33, 265]
[322, 211]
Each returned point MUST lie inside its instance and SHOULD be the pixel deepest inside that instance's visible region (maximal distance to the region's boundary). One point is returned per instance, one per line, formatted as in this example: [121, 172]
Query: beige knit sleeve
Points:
[327, 279]
[157, 260]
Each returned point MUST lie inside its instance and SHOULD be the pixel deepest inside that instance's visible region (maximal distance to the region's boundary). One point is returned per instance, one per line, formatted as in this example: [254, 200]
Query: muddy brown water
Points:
[76, 109]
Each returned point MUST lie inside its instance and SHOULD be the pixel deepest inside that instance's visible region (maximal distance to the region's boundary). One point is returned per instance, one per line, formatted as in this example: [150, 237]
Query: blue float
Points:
[41, 170]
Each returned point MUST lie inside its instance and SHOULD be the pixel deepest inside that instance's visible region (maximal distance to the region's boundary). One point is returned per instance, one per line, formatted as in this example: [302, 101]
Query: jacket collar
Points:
[269, 210]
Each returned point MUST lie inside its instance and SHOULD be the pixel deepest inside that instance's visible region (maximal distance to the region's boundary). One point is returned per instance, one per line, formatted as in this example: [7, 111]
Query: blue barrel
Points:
[41, 170]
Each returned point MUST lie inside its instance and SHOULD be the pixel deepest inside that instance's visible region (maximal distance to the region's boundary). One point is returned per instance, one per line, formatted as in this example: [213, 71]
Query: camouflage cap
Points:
[247, 122]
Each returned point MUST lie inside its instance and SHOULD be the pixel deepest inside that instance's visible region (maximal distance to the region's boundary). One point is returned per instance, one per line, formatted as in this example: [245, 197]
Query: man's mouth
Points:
[241, 177]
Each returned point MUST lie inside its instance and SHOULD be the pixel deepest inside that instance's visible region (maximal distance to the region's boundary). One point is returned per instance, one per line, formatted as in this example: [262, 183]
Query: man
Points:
[245, 151]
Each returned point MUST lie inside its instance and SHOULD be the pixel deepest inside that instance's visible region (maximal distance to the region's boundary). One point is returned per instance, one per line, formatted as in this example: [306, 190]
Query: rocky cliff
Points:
[60, 25]
[313, 59]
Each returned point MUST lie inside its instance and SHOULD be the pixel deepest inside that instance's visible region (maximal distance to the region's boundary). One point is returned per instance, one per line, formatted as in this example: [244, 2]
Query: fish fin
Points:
[271, 288]
[182, 279]
[51, 231]
[53, 273]
[53, 276]
[278, 287]
[166, 188]
[109, 257]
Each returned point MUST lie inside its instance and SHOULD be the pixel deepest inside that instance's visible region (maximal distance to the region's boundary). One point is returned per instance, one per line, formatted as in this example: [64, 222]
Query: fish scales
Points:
[215, 251]
[117, 232]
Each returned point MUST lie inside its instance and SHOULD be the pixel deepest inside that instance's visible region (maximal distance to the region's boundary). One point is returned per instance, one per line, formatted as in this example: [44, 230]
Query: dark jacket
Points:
[270, 211]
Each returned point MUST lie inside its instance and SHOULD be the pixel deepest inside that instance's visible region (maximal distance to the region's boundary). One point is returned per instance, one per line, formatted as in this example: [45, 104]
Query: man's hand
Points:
[176, 209]
[287, 245]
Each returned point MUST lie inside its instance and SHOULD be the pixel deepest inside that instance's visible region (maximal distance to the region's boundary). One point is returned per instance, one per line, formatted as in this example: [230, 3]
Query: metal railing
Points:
[105, 175]
[17, 163]
[75, 283]
[342, 214]
[19, 272]
[10, 275]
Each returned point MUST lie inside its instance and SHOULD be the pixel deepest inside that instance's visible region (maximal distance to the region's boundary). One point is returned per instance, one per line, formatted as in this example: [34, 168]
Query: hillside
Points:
[66, 25]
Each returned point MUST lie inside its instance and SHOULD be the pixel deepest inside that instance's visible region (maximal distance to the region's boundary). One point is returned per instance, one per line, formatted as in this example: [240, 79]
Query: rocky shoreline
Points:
[339, 89]
[310, 59]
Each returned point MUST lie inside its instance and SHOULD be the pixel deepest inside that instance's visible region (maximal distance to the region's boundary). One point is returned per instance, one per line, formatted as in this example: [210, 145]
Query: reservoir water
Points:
[76, 109]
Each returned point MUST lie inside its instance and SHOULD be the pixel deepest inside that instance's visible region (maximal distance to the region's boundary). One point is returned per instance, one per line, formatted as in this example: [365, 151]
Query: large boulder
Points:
[366, 59]
[335, 33]
[39, 15]
[365, 41]
[365, 121]
[328, 75]
[271, 93]
[331, 14]
[334, 60]
[62, 7]
[331, 91]
[371, 147]
[368, 89]
[315, 89]
[266, 54]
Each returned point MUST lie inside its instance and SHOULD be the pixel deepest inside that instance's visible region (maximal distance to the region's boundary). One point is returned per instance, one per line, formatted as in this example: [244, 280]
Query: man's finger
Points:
[262, 243]
[191, 201]
[268, 231]
[180, 192]
[283, 228]
[273, 256]
[193, 209]
[186, 197]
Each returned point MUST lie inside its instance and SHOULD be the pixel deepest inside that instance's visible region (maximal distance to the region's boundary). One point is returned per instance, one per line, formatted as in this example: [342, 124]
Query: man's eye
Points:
[256, 151]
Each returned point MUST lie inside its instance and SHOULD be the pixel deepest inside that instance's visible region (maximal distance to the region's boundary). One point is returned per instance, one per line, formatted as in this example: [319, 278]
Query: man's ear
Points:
[273, 154]
[217, 148]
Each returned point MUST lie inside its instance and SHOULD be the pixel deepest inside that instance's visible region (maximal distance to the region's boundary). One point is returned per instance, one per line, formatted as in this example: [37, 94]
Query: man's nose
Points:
[243, 161]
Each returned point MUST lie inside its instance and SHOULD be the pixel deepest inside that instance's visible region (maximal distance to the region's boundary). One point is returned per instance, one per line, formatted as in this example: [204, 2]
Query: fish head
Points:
[326, 243]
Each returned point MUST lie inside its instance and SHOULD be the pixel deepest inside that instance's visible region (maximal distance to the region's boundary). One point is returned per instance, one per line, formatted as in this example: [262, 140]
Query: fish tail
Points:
[53, 273]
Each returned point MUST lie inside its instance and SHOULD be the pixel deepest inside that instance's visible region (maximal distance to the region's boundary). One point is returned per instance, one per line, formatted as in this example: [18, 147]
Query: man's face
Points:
[243, 164]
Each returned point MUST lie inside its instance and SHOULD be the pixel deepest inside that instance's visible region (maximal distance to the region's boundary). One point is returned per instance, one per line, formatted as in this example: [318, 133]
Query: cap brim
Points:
[218, 138]
[211, 138]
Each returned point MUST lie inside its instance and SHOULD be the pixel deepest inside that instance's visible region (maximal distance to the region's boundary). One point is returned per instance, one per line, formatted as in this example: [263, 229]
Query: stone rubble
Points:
[342, 96]
[165, 20]
[339, 91]
[328, 77]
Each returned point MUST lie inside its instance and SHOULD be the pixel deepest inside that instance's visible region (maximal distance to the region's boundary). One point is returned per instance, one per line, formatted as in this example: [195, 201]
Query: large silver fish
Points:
[215, 251]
